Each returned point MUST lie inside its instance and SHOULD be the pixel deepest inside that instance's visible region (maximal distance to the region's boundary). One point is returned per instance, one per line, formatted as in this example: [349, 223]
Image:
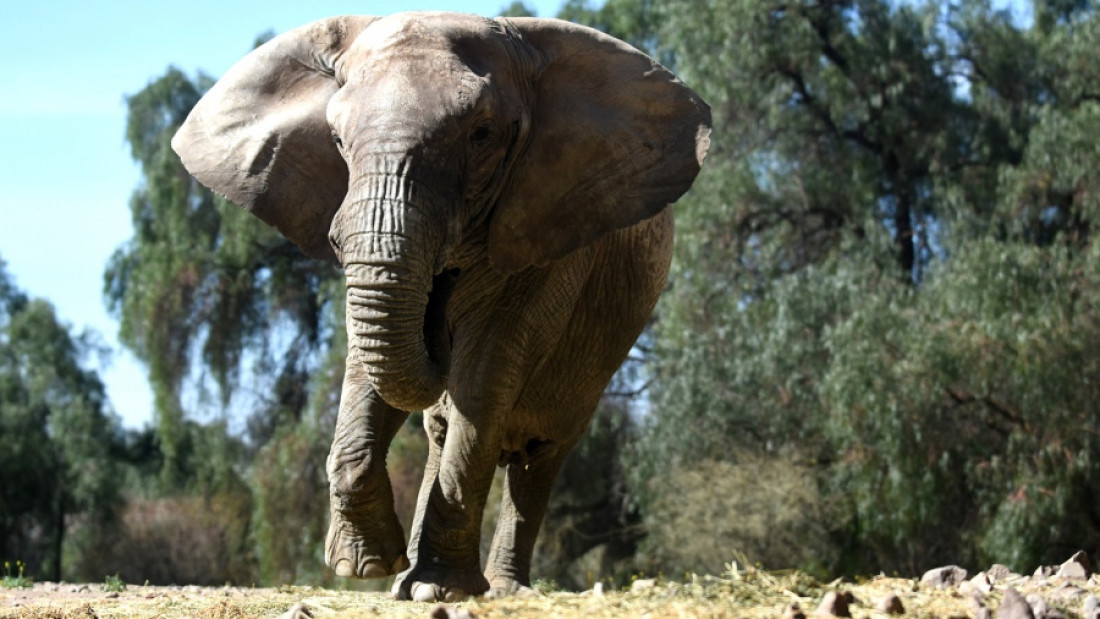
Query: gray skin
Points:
[497, 192]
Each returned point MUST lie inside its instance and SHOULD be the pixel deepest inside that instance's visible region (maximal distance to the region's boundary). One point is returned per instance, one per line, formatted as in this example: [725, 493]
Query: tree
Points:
[516, 9]
[203, 290]
[56, 434]
[879, 267]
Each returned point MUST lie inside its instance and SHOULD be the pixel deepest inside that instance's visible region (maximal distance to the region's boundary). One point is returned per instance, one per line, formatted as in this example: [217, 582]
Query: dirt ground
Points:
[750, 593]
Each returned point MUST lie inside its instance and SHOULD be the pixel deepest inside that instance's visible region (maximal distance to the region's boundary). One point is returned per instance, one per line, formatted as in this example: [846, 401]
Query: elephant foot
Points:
[507, 587]
[438, 585]
[353, 553]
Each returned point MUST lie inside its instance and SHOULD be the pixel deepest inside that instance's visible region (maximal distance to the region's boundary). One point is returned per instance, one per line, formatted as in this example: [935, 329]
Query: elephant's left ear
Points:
[615, 138]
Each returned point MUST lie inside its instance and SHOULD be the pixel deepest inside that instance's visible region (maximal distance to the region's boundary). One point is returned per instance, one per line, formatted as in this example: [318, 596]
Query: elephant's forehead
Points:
[422, 30]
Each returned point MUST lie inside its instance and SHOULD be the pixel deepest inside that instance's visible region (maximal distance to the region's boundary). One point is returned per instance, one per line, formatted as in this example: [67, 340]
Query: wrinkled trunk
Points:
[395, 300]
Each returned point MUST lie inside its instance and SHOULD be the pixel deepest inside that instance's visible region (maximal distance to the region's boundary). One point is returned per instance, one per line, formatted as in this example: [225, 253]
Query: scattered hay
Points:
[749, 593]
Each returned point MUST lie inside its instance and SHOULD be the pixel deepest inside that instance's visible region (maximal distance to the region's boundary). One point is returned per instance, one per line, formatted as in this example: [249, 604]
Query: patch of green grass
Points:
[113, 584]
[12, 581]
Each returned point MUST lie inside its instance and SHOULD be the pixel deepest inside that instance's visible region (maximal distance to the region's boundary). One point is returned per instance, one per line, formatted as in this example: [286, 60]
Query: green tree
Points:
[203, 290]
[879, 269]
[235, 324]
[517, 9]
[56, 436]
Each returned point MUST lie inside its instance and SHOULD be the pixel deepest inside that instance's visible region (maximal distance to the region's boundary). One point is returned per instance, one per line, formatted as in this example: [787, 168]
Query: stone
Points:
[891, 605]
[298, 611]
[446, 612]
[597, 589]
[1043, 571]
[998, 572]
[1078, 567]
[643, 584]
[834, 604]
[1091, 608]
[794, 611]
[1014, 606]
[977, 604]
[944, 577]
[1068, 592]
[1038, 605]
[982, 582]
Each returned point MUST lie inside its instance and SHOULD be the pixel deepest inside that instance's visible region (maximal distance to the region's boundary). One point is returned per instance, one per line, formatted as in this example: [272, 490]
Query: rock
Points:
[1077, 567]
[1014, 606]
[112, 594]
[944, 577]
[1038, 605]
[891, 605]
[977, 604]
[597, 589]
[1091, 608]
[834, 604]
[982, 582]
[977, 586]
[643, 584]
[1043, 571]
[447, 612]
[998, 572]
[794, 611]
[298, 611]
[1068, 593]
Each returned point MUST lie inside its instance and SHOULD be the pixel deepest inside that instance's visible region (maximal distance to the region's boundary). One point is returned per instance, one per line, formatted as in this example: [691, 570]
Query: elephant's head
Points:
[387, 143]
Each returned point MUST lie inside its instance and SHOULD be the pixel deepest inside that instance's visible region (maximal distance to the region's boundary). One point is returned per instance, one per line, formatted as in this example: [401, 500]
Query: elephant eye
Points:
[480, 134]
[337, 141]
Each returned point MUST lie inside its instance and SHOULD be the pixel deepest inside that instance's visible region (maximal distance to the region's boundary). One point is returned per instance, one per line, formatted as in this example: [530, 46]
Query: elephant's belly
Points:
[628, 274]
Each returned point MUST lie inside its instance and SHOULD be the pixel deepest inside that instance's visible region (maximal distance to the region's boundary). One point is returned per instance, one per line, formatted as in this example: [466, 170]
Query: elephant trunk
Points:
[395, 298]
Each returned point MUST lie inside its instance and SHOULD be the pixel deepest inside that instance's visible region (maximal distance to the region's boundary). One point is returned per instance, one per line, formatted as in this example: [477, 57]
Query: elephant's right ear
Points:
[260, 138]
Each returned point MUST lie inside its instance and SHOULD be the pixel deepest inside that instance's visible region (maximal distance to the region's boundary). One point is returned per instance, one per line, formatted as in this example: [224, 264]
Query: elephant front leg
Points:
[444, 547]
[365, 538]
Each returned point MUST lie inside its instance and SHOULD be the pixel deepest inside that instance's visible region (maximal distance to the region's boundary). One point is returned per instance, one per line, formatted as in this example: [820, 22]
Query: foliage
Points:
[217, 304]
[885, 272]
[18, 579]
[875, 351]
[765, 508]
[56, 433]
[181, 539]
[113, 584]
[204, 289]
[517, 9]
[590, 528]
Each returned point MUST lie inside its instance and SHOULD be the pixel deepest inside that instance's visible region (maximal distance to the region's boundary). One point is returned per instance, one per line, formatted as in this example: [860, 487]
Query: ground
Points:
[744, 593]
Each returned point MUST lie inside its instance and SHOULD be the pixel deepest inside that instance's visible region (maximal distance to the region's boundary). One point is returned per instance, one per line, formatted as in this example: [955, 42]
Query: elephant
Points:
[497, 193]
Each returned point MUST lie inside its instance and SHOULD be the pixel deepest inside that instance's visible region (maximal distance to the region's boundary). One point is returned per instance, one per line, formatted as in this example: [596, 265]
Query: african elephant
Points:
[496, 192]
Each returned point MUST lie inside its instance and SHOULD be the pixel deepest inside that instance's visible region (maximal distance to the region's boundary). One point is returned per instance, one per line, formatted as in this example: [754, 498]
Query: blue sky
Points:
[65, 174]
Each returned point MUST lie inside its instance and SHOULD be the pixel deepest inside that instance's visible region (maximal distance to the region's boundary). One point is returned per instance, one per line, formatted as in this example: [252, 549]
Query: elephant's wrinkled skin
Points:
[496, 192]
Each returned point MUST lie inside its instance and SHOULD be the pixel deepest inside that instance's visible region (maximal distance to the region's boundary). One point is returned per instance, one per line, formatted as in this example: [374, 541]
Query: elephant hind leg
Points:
[523, 507]
[443, 547]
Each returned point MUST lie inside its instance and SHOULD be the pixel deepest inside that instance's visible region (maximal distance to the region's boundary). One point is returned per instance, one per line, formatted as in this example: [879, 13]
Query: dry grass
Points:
[747, 593]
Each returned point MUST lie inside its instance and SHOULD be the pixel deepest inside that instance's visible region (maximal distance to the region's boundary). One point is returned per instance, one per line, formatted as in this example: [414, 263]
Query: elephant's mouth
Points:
[437, 334]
